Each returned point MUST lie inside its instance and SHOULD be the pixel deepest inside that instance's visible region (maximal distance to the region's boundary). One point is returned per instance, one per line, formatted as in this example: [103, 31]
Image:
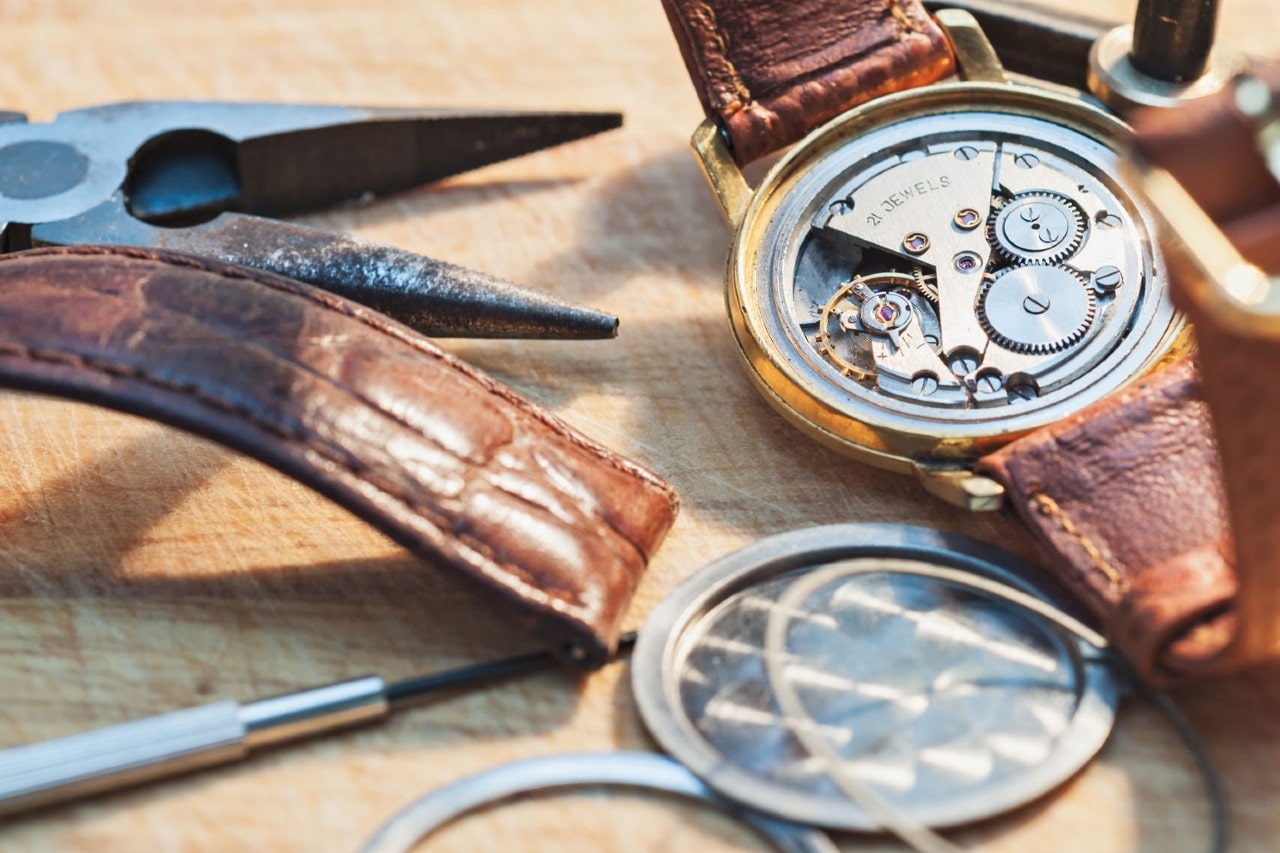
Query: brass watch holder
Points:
[1229, 290]
[1228, 293]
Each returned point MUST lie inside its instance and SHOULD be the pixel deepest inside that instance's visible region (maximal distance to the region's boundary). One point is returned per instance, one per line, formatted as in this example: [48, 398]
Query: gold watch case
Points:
[876, 418]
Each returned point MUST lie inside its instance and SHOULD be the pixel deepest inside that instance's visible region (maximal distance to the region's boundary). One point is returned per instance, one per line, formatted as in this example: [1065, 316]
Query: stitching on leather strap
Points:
[722, 52]
[895, 9]
[1048, 506]
[360, 472]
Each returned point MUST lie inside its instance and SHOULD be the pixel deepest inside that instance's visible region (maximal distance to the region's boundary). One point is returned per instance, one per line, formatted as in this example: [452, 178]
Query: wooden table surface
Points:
[142, 570]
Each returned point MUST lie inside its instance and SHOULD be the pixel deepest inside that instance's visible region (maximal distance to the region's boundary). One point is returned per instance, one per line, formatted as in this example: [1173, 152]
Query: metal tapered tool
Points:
[1165, 58]
[206, 178]
[108, 759]
[1173, 39]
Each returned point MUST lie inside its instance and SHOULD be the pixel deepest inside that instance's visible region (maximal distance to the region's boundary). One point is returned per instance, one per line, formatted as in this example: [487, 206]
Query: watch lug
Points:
[975, 57]
[723, 175]
[962, 488]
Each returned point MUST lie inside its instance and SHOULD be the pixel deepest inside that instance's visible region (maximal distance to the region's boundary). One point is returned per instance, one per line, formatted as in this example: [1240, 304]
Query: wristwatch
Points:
[955, 279]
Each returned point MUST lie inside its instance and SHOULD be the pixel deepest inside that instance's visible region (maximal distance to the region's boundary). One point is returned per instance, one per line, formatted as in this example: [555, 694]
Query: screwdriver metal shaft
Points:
[55, 771]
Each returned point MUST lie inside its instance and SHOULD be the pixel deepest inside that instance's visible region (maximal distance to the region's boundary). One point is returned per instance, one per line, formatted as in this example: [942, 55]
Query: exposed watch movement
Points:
[944, 269]
[958, 269]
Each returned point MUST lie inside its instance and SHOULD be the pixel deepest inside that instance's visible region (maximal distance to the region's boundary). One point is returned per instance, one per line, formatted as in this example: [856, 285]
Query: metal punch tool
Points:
[207, 178]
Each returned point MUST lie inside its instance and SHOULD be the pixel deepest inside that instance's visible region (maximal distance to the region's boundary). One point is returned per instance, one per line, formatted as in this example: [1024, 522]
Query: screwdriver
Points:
[132, 753]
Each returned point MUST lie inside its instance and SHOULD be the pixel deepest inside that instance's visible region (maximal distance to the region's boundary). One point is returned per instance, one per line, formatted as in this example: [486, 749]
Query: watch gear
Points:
[1036, 309]
[847, 320]
[926, 283]
[1036, 227]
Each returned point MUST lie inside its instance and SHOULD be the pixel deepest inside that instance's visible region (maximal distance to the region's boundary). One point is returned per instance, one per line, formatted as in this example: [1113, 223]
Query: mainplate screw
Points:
[990, 383]
[1023, 391]
[924, 384]
[1107, 279]
[963, 362]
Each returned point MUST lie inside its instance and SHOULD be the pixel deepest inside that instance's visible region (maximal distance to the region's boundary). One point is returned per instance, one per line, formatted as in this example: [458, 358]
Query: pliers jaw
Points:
[204, 177]
[5, 229]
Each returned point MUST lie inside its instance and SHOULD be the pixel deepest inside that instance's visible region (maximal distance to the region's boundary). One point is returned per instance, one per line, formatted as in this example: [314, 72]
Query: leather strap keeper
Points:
[448, 462]
[771, 72]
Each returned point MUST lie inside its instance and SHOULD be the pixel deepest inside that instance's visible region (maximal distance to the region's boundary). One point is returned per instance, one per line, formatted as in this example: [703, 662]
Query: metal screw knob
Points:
[1166, 58]
[1172, 39]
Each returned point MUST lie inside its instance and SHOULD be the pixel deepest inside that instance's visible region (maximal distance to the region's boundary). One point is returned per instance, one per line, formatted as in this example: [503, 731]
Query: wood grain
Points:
[142, 570]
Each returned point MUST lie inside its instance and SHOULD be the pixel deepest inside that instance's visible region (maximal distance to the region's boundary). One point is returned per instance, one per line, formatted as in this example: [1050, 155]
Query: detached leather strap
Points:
[1126, 500]
[443, 459]
[770, 72]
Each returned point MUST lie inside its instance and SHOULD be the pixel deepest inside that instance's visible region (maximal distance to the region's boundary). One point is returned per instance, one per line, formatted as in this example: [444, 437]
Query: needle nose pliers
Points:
[209, 178]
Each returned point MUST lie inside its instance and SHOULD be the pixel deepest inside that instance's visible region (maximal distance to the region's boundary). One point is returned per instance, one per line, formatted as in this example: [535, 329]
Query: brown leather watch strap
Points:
[1215, 151]
[771, 72]
[1126, 500]
[448, 462]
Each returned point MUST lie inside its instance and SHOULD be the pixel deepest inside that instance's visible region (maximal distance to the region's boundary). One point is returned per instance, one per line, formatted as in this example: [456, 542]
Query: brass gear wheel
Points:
[926, 283]
[825, 346]
[855, 296]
